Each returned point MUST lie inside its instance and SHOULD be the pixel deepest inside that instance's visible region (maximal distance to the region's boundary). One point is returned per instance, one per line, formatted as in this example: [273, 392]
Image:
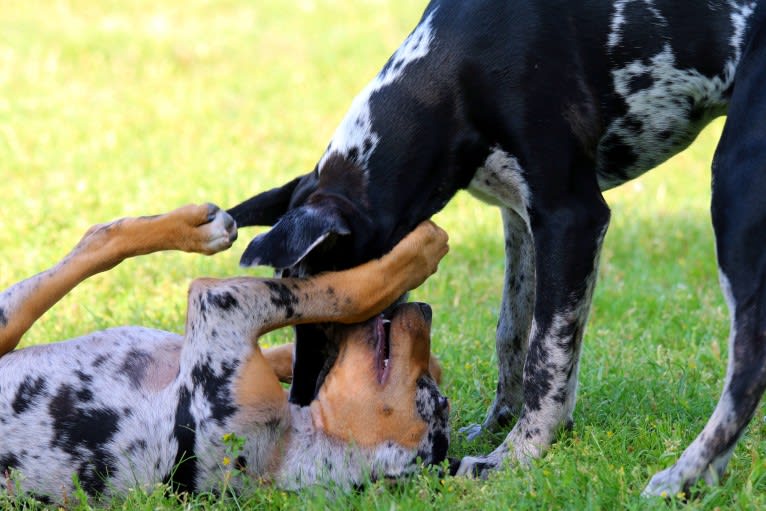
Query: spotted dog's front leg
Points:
[355, 295]
[567, 242]
[193, 228]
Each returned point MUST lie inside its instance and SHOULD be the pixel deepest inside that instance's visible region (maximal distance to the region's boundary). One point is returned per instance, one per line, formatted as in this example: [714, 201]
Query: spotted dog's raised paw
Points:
[212, 230]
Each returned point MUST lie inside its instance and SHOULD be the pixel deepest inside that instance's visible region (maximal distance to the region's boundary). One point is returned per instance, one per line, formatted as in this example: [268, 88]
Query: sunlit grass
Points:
[114, 108]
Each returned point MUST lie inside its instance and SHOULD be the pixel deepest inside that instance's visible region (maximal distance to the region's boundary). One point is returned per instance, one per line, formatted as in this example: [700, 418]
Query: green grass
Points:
[111, 108]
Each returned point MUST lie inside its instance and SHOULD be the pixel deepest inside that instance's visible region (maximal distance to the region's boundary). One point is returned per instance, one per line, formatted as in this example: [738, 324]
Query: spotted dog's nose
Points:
[425, 309]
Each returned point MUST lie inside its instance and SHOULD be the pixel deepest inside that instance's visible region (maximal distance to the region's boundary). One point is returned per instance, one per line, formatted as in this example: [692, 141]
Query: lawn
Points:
[111, 108]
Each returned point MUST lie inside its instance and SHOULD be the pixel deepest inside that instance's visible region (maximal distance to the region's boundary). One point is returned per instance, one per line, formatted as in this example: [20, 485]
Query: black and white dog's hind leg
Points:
[500, 181]
[739, 220]
[568, 228]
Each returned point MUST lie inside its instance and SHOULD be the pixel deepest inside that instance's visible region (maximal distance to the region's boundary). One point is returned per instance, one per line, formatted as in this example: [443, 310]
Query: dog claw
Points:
[472, 432]
[212, 211]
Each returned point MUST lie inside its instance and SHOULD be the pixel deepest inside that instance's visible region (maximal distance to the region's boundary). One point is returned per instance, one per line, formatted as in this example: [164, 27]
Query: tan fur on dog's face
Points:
[354, 405]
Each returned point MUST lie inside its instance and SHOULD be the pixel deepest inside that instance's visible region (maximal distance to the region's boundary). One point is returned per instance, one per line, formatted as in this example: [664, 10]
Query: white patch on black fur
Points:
[500, 182]
[355, 137]
[658, 122]
[618, 19]
[740, 15]
[664, 116]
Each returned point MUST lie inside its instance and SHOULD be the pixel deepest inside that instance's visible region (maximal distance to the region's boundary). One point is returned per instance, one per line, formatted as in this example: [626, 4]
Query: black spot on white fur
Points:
[84, 433]
[7, 462]
[224, 300]
[216, 388]
[433, 408]
[27, 394]
[134, 366]
[282, 297]
[183, 475]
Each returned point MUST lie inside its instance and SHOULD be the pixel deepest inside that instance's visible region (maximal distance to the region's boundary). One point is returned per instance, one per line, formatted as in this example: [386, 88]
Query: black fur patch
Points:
[84, 377]
[618, 156]
[537, 384]
[84, 433]
[137, 445]
[3, 318]
[134, 366]
[100, 360]
[27, 394]
[282, 297]
[223, 301]
[183, 474]
[7, 462]
[216, 389]
[640, 82]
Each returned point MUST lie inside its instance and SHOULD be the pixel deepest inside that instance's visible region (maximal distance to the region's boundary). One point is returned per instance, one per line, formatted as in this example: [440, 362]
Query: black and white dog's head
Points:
[402, 151]
[320, 222]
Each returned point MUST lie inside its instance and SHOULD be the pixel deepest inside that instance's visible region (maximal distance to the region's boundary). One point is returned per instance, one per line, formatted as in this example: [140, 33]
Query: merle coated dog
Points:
[131, 407]
[538, 107]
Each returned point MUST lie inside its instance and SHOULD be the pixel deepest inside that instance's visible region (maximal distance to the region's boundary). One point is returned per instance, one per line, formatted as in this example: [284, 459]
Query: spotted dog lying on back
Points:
[538, 107]
[130, 407]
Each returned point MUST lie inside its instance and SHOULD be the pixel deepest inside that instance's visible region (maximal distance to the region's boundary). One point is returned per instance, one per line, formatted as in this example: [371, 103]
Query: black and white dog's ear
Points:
[293, 237]
[267, 207]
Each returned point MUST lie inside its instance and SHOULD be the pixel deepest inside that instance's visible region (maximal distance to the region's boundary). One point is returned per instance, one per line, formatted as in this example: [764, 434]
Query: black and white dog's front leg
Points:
[568, 239]
[739, 217]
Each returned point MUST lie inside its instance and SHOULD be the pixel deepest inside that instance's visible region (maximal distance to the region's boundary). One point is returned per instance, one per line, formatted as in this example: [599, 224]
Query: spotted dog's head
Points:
[379, 391]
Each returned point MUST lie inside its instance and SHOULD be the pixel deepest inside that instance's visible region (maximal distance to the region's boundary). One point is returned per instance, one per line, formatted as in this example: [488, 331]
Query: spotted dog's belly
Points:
[671, 78]
[87, 407]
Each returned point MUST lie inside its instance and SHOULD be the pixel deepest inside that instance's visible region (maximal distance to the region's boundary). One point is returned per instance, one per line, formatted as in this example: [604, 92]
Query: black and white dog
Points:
[538, 107]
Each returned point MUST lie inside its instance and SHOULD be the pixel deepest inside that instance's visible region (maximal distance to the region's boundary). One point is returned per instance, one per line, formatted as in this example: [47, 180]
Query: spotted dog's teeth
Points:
[385, 364]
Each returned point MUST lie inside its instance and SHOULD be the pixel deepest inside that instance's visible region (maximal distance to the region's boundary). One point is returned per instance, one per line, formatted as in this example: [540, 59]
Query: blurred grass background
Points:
[111, 108]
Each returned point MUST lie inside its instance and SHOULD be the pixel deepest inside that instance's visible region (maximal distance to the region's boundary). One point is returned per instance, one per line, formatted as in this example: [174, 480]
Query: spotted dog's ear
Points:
[294, 236]
[267, 207]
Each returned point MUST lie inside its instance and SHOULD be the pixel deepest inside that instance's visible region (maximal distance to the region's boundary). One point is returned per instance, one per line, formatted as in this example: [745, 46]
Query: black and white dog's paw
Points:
[481, 466]
[477, 467]
[665, 483]
[498, 418]
[681, 476]
[472, 431]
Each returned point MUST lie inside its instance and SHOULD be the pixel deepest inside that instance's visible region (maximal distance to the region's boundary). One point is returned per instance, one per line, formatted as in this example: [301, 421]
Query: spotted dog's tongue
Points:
[382, 328]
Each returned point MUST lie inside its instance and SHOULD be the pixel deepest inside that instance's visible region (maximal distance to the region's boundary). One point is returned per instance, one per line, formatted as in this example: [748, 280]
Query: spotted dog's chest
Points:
[670, 75]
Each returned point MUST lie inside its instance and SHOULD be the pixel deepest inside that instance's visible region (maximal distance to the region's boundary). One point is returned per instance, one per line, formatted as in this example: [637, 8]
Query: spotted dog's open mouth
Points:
[382, 336]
